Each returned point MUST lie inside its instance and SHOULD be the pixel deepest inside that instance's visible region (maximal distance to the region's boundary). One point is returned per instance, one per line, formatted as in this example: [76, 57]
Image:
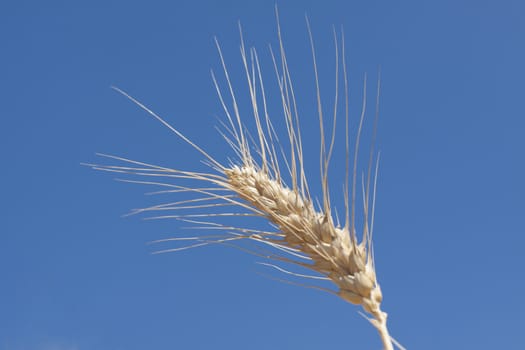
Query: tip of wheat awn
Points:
[303, 232]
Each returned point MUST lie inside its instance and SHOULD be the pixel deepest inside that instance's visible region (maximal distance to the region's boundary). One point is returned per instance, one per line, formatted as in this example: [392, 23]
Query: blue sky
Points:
[449, 232]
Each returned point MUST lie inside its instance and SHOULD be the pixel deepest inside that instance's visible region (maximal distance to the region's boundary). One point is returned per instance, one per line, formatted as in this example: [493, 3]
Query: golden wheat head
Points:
[304, 232]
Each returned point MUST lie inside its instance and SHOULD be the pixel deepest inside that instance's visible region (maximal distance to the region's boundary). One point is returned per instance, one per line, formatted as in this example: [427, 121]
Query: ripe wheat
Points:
[253, 185]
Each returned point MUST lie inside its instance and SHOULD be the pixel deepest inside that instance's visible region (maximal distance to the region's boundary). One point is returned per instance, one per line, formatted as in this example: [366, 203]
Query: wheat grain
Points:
[305, 234]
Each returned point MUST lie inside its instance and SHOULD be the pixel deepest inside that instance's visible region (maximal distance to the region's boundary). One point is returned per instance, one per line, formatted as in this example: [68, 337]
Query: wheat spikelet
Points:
[305, 234]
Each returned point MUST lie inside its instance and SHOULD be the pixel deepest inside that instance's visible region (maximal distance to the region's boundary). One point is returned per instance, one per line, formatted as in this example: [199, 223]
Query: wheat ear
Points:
[305, 234]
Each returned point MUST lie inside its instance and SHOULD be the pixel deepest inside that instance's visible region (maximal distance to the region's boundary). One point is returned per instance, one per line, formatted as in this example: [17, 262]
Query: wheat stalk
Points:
[253, 185]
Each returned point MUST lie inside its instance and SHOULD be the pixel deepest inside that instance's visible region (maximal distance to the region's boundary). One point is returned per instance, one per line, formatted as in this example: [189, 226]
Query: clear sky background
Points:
[449, 234]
